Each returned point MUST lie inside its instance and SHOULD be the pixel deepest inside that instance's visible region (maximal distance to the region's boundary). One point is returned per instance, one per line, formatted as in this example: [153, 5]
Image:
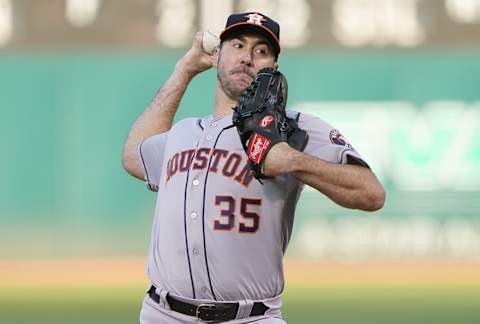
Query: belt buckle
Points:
[198, 312]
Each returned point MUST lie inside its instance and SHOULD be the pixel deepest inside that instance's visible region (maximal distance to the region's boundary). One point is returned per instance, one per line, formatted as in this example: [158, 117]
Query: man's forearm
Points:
[158, 116]
[155, 119]
[351, 186]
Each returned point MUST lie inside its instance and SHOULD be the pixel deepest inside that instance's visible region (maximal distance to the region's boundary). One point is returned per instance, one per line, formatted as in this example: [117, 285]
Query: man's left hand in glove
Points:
[261, 119]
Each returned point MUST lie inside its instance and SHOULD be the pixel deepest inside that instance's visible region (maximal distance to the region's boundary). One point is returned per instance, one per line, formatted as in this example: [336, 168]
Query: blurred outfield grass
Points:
[330, 304]
[334, 293]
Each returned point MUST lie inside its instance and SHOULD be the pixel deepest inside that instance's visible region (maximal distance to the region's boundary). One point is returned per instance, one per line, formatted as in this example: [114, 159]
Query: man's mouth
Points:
[243, 71]
[243, 76]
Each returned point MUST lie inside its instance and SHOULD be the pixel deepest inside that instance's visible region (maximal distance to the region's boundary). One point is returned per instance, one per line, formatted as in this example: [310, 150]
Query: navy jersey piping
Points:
[359, 160]
[185, 221]
[200, 124]
[203, 210]
[298, 117]
[144, 165]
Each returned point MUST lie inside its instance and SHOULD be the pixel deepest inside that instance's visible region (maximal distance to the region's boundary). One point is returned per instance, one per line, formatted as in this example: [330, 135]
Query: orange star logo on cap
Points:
[255, 18]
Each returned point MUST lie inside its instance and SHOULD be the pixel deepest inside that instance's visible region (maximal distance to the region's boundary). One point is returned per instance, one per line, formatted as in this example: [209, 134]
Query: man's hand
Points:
[196, 60]
[261, 120]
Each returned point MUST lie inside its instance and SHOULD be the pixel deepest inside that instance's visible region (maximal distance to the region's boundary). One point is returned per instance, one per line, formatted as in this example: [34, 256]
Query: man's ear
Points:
[275, 66]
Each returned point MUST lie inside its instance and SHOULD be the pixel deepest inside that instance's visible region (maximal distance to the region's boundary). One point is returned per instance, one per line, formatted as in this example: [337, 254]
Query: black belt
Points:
[208, 312]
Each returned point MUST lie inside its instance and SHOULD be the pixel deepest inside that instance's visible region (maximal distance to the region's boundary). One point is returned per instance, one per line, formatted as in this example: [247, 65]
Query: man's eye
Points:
[261, 51]
[237, 45]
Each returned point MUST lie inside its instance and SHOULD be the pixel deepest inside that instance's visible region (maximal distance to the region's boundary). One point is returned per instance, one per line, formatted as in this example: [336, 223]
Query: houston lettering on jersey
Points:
[229, 164]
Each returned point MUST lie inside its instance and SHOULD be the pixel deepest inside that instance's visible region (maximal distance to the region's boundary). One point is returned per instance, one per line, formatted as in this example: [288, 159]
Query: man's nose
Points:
[246, 60]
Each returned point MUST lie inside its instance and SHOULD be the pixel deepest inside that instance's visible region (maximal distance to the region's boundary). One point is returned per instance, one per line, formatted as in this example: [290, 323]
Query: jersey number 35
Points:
[250, 220]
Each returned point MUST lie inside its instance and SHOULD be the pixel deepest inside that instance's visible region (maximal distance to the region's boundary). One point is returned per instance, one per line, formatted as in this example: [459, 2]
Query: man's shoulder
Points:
[302, 117]
[188, 122]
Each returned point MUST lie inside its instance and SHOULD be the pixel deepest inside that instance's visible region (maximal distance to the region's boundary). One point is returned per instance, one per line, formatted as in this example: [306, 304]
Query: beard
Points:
[235, 81]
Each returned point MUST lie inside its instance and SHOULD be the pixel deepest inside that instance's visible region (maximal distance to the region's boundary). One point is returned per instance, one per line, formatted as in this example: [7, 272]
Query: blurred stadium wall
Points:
[399, 79]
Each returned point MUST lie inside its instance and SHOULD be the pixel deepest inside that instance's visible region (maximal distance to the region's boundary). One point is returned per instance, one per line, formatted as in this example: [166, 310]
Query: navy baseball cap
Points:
[253, 21]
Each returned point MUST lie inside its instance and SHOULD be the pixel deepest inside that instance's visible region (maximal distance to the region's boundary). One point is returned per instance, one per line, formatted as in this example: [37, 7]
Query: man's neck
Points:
[223, 103]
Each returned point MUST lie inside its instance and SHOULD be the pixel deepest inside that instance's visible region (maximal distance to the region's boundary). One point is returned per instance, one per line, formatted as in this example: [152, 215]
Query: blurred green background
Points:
[302, 305]
[65, 118]
[404, 89]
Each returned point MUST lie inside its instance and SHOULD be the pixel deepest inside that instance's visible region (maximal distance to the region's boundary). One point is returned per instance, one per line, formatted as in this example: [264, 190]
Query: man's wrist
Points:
[293, 159]
[282, 159]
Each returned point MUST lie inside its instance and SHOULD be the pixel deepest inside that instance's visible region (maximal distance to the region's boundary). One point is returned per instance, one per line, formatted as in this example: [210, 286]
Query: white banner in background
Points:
[431, 148]
[357, 238]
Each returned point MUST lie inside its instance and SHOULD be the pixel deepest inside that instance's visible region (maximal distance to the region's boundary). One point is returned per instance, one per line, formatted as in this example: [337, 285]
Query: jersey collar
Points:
[221, 121]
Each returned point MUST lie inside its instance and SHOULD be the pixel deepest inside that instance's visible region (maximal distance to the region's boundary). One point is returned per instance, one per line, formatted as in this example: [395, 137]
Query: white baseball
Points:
[210, 42]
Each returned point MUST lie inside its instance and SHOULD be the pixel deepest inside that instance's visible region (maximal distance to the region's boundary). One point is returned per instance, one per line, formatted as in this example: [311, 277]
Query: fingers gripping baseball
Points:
[197, 59]
[210, 42]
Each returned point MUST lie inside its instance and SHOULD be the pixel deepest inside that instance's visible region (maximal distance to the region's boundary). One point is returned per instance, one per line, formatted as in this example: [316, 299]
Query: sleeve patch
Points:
[338, 139]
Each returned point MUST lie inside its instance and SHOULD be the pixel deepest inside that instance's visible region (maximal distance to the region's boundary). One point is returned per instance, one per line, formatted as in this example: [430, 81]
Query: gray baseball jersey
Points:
[218, 233]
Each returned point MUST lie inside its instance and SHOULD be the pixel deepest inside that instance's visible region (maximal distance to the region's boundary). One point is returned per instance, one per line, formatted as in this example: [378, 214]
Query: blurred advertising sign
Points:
[431, 148]
[358, 237]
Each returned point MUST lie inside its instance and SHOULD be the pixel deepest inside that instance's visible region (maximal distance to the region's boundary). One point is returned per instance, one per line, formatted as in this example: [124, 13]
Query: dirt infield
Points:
[130, 272]
[401, 271]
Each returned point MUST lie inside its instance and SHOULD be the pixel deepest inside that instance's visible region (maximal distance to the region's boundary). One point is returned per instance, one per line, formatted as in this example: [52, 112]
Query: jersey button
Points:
[209, 137]
[196, 251]
[193, 215]
[196, 182]
[214, 124]
[205, 290]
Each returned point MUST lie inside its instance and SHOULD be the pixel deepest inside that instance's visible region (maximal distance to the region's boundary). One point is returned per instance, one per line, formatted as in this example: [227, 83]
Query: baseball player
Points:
[219, 234]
